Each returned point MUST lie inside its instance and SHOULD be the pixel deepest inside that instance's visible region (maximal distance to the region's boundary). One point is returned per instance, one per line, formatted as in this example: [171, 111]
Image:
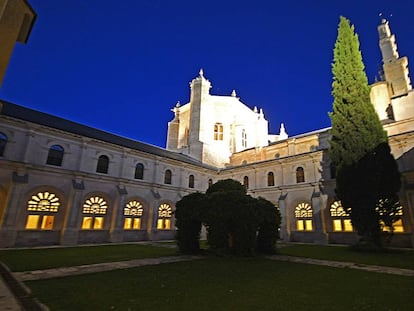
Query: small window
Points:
[300, 175]
[139, 171]
[103, 164]
[210, 182]
[164, 217]
[167, 177]
[3, 142]
[218, 131]
[191, 181]
[270, 179]
[246, 182]
[244, 138]
[55, 155]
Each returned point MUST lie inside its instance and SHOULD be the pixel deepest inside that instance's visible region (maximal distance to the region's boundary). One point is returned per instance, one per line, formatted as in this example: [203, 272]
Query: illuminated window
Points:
[246, 182]
[139, 171]
[3, 142]
[191, 181]
[398, 213]
[103, 164]
[340, 218]
[218, 131]
[41, 206]
[300, 175]
[270, 179]
[133, 212]
[167, 177]
[303, 215]
[55, 155]
[94, 210]
[164, 217]
[244, 138]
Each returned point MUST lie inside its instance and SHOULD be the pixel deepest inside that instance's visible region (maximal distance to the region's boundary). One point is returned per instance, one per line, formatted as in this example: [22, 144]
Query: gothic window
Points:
[300, 175]
[303, 215]
[3, 142]
[246, 182]
[42, 208]
[191, 181]
[103, 164]
[55, 155]
[167, 177]
[270, 179]
[340, 218]
[164, 217]
[132, 215]
[218, 131]
[94, 210]
[244, 138]
[139, 171]
[398, 224]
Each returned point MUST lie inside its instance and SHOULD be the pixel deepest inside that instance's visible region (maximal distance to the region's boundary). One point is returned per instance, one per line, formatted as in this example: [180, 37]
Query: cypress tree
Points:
[367, 173]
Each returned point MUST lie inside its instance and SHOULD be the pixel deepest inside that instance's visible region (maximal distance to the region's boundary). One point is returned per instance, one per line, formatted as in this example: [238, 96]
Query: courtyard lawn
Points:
[45, 258]
[228, 284]
[391, 258]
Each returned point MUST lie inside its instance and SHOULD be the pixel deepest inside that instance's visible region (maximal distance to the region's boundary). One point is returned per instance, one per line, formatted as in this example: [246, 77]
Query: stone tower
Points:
[16, 21]
[392, 98]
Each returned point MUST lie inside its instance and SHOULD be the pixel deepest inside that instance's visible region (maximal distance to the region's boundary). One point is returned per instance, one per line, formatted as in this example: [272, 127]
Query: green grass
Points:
[228, 284]
[391, 258]
[45, 258]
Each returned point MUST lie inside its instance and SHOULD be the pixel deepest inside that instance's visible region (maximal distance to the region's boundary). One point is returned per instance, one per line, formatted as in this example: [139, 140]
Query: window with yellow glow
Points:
[340, 218]
[218, 131]
[164, 217]
[94, 209]
[303, 215]
[397, 214]
[40, 207]
[133, 211]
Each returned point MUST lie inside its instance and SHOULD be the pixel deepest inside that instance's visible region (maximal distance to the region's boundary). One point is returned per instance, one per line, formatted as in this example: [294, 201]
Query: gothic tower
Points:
[16, 21]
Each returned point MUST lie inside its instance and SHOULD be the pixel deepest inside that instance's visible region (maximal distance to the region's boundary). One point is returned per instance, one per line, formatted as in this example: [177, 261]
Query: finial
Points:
[233, 93]
[178, 104]
[201, 72]
[255, 109]
[282, 132]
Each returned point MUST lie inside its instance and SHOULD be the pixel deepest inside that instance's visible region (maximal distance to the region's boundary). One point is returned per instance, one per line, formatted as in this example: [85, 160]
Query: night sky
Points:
[120, 66]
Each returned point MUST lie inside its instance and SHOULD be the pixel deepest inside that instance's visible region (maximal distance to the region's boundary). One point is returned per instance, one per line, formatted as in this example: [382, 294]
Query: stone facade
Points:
[66, 183]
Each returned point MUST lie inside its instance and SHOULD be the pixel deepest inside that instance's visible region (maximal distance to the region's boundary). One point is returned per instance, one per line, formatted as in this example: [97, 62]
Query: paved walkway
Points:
[9, 303]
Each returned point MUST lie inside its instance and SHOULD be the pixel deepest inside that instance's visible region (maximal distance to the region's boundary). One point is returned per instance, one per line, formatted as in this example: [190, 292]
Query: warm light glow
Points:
[341, 220]
[164, 211]
[164, 215]
[303, 214]
[47, 222]
[132, 223]
[95, 205]
[133, 208]
[164, 224]
[300, 225]
[32, 221]
[87, 222]
[337, 225]
[348, 225]
[43, 202]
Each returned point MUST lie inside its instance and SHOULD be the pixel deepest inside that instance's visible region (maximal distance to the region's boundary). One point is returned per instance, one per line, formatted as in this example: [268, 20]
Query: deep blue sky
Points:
[120, 66]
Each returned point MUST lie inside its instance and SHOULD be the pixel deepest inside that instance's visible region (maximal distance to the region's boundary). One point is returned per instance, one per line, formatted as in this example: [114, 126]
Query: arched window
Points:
[244, 138]
[164, 217]
[300, 175]
[340, 218]
[94, 211]
[42, 208]
[139, 171]
[210, 182]
[303, 215]
[55, 155]
[246, 182]
[3, 142]
[191, 181]
[397, 224]
[103, 164]
[270, 179]
[167, 177]
[218, 131]
[133, 212]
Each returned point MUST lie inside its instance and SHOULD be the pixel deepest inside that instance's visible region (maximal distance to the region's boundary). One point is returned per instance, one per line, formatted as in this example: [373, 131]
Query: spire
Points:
[201, 73]
[387, 42]
[282, 132]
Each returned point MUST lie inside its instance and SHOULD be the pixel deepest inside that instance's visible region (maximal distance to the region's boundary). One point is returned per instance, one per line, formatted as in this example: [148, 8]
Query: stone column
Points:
[320, 236]
[285, 224]
[14, 201]
[117, 225]
[70, 230]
